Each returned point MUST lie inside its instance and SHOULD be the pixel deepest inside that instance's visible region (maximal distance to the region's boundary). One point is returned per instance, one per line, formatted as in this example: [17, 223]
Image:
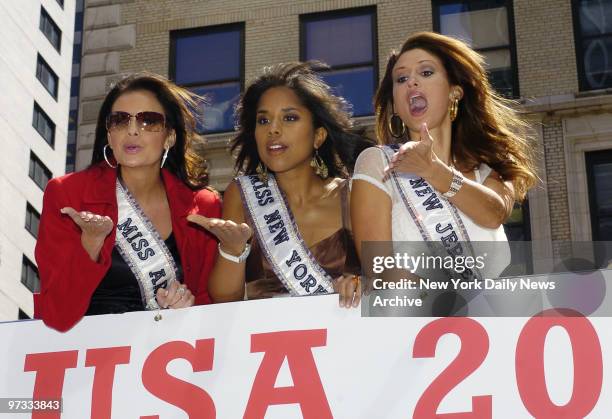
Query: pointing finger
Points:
[425, 136]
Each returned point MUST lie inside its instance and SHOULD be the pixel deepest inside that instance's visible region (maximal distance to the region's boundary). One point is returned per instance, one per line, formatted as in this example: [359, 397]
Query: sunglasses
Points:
[146, 121]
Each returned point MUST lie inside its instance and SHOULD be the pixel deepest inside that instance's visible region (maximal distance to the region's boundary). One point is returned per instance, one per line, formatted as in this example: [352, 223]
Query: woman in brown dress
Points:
[296, 147]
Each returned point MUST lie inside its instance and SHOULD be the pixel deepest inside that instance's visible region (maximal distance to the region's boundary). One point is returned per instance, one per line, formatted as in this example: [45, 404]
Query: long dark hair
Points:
[180, 105]
[487, 130]
[344, 142]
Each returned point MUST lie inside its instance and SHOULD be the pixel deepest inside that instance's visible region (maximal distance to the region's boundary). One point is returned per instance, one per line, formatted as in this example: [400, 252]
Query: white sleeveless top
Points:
[370, 168]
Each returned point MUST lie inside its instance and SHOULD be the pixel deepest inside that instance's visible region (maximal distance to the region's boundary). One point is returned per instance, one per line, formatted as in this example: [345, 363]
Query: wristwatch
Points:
[236, 259]
[455, 185]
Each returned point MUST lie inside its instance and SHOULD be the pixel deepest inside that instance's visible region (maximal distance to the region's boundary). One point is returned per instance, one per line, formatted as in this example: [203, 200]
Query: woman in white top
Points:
[455, 155]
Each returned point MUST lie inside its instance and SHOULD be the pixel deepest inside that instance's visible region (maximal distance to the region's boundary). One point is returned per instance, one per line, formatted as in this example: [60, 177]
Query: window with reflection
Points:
[346, 41]
[43, 124]
[47, 76]
[517, 226]
[593, 37]
[38, 172]
[29, 275]
[50, 29]
[32, 220]
[599, 173]
[488, 27]
[210, 62]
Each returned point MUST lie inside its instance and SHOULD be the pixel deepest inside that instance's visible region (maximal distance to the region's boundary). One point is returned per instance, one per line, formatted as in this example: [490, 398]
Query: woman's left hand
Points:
[176, 295]
[348, 287]
[415, 156]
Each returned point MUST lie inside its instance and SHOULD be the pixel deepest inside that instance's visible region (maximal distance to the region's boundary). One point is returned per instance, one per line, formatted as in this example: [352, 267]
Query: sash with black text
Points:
[280, 240]
[142, 249]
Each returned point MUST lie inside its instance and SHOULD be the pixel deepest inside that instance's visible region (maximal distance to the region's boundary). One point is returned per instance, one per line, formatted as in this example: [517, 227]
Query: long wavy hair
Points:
[181, 108]
[344, 142]
[488, 129]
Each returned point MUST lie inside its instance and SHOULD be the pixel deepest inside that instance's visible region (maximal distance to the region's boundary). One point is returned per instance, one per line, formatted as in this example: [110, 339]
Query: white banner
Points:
[304, 357]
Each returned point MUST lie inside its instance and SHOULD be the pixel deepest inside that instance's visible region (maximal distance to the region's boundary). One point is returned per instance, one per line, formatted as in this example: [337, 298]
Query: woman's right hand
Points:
[232, 236]
[94, 229]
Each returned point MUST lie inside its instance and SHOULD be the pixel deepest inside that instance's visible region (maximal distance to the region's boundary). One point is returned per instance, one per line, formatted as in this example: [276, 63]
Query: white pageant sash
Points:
[142, 249]
[437, 219]
[280, 240]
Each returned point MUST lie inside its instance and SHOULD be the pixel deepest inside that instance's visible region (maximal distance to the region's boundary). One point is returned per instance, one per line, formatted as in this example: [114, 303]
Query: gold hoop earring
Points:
[262, 173]
[453, 109]
[390, 126]
[319, 166]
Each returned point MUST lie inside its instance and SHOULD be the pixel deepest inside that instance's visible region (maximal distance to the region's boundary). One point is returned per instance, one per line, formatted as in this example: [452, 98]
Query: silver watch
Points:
[455, 185]
[236, 259]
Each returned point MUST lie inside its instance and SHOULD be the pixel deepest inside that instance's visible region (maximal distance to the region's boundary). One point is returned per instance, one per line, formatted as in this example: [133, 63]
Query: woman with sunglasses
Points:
[296, 147]
[114, 237]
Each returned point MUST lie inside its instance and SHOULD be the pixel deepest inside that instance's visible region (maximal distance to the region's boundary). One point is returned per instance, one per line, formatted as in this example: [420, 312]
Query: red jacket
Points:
[68, 276]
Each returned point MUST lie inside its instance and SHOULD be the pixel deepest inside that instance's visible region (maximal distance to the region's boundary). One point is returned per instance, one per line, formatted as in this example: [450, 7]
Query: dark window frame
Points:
[333, 14]
[44, 15]
[578, 41]
[590, 159]
[206, 30]
[41, 62]
[28, 264]
[31, 212]
[38, 109]
[526, 223]
[509, 4]
[35, 161]
[23, 315]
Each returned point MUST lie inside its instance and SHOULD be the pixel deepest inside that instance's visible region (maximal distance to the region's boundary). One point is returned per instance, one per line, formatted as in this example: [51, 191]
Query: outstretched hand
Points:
[415, 156]
[92, 224]
[232, 236]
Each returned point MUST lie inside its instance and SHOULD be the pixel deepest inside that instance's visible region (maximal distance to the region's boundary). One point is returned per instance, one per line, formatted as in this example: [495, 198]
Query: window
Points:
[346, 41]
[488, 27]
[517, 226]
[23, 315]
[50, 29]
[43, 124]
[29, 275]
[39, 172]
[599, 172]
[61, 3]
[593, 37]
[210, 62]
[46, 76]
[32, 220]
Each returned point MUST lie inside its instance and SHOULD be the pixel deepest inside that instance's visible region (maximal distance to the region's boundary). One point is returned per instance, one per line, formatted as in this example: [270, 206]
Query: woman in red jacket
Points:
[115, 237]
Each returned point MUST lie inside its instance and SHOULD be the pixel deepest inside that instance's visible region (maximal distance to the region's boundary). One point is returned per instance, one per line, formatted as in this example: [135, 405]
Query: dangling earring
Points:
[390, 123]
[106, 158]
[453, 109]
[262, 173]
[319, 166]
[165, 156]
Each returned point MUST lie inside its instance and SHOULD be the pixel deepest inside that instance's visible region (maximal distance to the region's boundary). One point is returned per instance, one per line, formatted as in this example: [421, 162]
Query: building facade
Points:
[35, 70]
[552, 55]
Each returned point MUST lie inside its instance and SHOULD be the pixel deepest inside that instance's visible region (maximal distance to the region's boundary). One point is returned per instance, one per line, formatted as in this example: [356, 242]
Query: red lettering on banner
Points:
[196, 402]
[50, 368]
[104, 360]
[474, 349]
[587, 359]
[307, 390]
